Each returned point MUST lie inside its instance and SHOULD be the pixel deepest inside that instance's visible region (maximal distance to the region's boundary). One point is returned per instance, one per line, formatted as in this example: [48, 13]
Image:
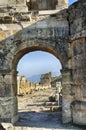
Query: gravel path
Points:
[34, 112]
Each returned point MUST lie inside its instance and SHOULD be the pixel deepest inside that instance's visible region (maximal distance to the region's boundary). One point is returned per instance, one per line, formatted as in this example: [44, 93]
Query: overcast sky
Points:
[39, 62]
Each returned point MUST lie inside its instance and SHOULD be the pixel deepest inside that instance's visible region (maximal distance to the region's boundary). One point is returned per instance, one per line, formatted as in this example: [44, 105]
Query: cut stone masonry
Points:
[61, 32]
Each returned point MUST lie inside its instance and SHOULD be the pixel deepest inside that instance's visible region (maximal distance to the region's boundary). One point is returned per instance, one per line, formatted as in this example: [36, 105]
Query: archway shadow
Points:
[42, 119]
[39, 113]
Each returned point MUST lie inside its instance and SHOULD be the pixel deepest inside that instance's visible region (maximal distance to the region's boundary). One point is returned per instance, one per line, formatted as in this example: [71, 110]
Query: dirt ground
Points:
[34, 111]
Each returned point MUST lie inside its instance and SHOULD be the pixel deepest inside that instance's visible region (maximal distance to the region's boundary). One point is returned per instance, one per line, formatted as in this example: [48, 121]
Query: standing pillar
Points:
[8, 101]
[67, 95]
[18, 84]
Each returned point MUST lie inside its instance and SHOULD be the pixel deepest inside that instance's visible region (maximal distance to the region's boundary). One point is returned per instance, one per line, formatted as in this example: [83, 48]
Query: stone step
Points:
[9, 126]
[33, 128]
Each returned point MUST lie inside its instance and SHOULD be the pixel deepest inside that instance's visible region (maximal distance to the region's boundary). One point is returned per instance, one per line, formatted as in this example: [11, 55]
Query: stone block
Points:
[66, 89]
[11, 2]
[3, 2]
[66, 111]
[79, 112]
[20, 2]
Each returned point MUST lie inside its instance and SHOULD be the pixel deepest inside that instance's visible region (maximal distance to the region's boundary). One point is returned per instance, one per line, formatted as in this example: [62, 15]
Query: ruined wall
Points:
[46, 79]
[77, 22]
[13, 5]
[27, 5]
[42, 5]
[46, 4]
[24, 86]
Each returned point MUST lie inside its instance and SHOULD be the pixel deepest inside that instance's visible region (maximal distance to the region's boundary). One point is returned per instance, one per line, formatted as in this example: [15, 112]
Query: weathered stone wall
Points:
[13, 5]
[46, 33]
[8, 109]
[42, 5]
[62, 33]
[79, 110]
[27, 5]
[77, 21]
[79, 67]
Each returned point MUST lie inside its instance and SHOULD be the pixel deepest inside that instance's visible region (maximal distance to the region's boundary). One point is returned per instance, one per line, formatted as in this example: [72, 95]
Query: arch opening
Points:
[38, 62]
[19, 53]
[44, 93]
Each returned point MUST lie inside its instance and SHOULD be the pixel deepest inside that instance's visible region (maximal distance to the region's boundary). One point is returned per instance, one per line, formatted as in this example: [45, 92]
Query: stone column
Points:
[8, 101]
[67, 95]
[14, 117]
[18, 84]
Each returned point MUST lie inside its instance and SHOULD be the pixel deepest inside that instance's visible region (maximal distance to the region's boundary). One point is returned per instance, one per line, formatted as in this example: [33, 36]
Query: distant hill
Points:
[34, 78]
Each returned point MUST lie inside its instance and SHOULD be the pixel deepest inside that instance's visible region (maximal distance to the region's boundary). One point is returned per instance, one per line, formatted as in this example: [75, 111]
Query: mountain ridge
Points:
[36, 78]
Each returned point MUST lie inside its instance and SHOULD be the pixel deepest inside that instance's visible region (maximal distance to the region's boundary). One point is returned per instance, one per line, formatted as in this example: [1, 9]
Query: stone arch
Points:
[15, 55]
[19, 54]
[22, 52]
[59, 50]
